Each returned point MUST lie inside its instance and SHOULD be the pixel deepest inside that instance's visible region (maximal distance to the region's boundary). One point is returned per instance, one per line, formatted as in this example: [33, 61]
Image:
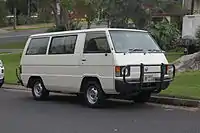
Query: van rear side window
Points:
[63, 45]
[37, 46]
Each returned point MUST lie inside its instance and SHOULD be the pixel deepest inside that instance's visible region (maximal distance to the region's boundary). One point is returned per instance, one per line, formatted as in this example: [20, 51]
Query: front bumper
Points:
[124, 88]
[128, 86]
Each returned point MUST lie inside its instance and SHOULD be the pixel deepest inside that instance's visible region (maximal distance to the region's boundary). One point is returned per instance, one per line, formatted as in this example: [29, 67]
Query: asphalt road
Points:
[19, 113]
[18, 36]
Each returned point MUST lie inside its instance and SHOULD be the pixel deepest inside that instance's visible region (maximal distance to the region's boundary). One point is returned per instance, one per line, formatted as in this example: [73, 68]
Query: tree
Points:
[2, 13]
[21, 6]
[120, 12]
[89, 8]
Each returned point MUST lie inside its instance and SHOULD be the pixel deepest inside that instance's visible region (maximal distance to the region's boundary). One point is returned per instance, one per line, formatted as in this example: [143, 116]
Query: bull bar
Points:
[142, 73]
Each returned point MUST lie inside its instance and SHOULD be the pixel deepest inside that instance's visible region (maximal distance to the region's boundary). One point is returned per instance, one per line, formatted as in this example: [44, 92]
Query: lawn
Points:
[14, 45]
[185, 85]
[172, 56]
[11, 62]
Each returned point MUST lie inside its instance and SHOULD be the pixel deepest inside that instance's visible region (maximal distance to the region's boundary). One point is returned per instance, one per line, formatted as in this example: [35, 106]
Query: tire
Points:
[93, 94]
[39, 91]
[143, 97]
[1, 85]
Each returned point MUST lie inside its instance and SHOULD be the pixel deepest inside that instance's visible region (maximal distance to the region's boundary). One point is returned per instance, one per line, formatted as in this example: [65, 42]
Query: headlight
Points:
[124, 69]
[119, 71]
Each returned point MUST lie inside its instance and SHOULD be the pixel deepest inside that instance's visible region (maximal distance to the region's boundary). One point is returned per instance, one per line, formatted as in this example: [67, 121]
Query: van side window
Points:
[37, 46]
[63, 45]
[96, 42]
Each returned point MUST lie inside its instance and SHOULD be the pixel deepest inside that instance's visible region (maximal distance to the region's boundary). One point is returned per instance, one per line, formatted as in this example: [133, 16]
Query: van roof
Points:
[85, 30]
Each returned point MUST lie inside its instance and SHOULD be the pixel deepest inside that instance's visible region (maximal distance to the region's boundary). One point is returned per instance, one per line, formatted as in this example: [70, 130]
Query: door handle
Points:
[83, 59]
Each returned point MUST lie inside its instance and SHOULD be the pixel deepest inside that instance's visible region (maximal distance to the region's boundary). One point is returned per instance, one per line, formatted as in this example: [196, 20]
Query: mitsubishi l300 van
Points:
[95, 63]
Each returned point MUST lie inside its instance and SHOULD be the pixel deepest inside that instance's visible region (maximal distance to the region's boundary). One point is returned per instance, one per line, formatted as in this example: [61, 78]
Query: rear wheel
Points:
[39, 91]
[93, 94]
[142, 97]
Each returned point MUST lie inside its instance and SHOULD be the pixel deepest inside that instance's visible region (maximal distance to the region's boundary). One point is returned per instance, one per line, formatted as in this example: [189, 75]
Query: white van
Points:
[97, 63]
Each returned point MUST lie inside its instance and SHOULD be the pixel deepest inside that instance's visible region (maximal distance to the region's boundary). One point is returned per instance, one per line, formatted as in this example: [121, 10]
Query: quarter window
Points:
[96, 42]
[37, 46]
[63, 45]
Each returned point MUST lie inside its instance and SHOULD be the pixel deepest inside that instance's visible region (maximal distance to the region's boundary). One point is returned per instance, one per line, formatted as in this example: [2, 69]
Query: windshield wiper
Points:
[135, 50]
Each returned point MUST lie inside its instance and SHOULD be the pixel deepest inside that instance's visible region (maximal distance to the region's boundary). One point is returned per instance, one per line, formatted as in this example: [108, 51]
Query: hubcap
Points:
[92, 95]
[38, 89]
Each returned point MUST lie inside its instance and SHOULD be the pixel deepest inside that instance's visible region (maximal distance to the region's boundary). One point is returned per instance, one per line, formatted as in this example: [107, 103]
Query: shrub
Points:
[167, 35]
[195, 46]
[198, 36]
[56, 29]
[23, 20]
[44, 16]
[74, 25]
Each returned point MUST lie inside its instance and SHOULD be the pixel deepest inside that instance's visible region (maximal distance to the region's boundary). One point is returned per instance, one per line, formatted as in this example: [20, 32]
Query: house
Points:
[170, 10]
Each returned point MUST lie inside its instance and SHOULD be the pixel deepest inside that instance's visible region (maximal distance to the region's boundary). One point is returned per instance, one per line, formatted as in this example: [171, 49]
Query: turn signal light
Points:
[119, 71]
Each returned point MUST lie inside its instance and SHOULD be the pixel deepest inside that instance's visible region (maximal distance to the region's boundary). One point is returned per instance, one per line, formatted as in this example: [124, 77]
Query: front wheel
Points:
[142, 97]
[39, 91]
[1, 84]
[93, 94]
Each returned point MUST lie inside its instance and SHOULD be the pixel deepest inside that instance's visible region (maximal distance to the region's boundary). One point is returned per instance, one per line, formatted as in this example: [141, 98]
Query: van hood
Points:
[122, 59]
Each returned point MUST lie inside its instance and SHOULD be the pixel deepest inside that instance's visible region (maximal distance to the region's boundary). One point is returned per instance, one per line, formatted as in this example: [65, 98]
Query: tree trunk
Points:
[65, 18]
[15, 18]
[29, 11]
[88, 24]
[57, 19]
[192, 7]
[108, 23]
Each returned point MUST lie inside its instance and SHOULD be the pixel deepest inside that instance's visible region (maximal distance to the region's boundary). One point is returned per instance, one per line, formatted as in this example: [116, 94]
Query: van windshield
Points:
[132, 41]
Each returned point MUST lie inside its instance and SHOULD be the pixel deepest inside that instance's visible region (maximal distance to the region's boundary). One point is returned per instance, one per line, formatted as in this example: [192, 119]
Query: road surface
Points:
[64, 114]
[18, 36]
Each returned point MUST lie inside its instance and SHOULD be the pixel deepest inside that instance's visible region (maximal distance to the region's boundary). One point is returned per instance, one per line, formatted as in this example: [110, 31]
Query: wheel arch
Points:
[88, 78]
[31, 80]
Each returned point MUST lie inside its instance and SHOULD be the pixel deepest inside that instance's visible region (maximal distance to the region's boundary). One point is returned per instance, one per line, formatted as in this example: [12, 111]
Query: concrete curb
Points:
[15, 87]
[154, 98]
[175, 101]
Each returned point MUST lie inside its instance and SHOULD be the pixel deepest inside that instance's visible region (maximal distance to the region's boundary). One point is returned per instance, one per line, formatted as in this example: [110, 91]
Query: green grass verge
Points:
[172, 56]
[3, 53]
[185, 85]
[11, 62]
[15, 45]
